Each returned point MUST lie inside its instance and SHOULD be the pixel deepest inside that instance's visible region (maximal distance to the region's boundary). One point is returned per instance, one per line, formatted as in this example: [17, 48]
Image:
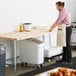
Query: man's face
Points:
[58, 7]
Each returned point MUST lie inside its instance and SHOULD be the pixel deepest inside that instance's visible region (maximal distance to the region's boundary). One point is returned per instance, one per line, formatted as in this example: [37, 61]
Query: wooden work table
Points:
[16, 36]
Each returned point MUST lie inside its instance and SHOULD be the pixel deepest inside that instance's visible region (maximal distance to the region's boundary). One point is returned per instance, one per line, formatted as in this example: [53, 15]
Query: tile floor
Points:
[20, 69]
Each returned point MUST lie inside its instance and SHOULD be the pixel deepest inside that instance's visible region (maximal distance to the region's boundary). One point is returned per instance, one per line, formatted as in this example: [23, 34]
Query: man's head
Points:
[60, 5]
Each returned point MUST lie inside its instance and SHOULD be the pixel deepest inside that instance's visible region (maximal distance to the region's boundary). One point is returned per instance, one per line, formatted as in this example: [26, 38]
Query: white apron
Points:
[61, 35]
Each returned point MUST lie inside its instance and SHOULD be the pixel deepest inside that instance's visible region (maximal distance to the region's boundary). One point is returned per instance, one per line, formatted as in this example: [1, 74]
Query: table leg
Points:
[49, 40]
[43, 38]
[14, 58]
[44, 41]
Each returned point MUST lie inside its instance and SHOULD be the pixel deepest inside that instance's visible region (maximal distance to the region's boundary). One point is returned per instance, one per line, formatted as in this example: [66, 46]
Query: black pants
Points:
[67, 54]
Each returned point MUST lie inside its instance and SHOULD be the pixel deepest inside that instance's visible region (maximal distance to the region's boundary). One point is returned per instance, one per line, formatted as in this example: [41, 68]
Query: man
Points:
[64, 18]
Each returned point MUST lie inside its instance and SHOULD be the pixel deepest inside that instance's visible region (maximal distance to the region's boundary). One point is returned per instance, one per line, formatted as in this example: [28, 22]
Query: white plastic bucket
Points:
[27, 26]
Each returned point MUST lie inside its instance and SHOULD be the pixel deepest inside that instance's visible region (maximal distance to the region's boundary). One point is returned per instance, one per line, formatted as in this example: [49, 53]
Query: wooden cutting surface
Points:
[24, 35]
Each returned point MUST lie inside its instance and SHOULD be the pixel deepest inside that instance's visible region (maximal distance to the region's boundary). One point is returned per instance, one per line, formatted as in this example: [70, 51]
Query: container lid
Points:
[36, 42]
[27, 23]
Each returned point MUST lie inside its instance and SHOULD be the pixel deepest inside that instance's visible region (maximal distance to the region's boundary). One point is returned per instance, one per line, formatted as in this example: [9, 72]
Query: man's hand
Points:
[50, 30]
[53, 26]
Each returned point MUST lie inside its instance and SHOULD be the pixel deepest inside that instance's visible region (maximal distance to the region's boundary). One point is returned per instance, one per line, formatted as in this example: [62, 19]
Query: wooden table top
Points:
[16, 35]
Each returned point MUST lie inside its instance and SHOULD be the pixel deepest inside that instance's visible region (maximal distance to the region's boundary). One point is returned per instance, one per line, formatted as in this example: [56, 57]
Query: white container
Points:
[27, 26]
[32, 51]
[53, 51]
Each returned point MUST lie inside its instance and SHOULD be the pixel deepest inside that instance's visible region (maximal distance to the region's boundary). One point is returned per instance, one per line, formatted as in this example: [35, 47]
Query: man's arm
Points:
[53, 26]
[61, 17]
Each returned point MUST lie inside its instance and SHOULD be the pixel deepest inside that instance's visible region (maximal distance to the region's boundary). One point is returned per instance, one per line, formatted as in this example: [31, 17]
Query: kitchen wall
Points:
[38, 12]
[71, 5]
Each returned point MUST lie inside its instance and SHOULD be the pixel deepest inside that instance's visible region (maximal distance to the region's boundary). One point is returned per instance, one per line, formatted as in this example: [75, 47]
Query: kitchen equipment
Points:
[2, 59]
[53, 51]
[73, 36]
[32, 51]
[27, 26]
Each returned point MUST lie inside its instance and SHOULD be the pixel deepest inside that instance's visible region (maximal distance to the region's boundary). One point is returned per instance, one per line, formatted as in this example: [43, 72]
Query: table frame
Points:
[15, 50]
[14, 39]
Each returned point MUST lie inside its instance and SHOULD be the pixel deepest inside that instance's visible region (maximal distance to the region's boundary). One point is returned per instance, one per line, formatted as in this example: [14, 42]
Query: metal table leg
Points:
[14, 58]
[43, 38]
[50, 40]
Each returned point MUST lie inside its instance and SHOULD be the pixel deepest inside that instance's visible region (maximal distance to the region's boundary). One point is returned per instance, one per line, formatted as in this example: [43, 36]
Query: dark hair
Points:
[59, 3]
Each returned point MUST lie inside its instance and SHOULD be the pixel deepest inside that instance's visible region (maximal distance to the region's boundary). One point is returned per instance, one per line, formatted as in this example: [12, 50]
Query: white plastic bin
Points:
[53, 51]
[31, 51]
